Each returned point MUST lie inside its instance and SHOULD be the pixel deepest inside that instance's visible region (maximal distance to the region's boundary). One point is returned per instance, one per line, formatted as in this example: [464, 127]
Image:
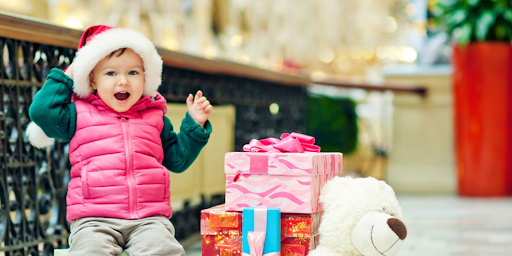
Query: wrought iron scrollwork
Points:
[33, 182]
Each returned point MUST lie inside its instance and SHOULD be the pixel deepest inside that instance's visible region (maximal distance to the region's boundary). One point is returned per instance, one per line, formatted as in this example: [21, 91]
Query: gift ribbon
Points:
[256, 238]
[289, 142]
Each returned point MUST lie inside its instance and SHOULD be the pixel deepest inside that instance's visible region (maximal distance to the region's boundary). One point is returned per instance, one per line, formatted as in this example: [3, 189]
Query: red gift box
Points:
[222, 232]
[299, 233]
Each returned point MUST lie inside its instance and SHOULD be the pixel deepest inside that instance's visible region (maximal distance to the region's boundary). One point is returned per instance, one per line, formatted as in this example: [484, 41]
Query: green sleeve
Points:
[181, 149]
[52, 109]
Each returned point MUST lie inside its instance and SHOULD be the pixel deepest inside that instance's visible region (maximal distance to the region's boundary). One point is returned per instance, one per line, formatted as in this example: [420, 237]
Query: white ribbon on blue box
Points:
[261, 231]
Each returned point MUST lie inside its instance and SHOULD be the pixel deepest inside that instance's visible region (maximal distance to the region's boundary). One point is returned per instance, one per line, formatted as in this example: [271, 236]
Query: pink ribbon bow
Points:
[256, 241]
[289, 142]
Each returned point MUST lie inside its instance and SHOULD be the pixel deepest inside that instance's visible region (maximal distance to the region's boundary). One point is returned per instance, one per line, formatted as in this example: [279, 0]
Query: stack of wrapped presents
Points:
[272, 199]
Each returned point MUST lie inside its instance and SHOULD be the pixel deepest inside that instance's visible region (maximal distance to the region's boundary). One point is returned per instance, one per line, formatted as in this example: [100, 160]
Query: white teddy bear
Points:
[361, 217]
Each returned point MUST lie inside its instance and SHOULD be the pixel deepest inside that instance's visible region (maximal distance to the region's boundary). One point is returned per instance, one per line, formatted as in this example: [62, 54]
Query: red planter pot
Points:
[482, 86]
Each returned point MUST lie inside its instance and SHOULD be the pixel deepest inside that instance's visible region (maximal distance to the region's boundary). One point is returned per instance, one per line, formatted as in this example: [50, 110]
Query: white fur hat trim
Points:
[104, 43]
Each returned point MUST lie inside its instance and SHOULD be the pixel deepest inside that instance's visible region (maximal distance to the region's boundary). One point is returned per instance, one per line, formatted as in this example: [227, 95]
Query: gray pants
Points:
[108, 236]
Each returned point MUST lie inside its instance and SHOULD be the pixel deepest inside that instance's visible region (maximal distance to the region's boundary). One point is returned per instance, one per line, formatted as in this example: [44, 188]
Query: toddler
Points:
[121, 145]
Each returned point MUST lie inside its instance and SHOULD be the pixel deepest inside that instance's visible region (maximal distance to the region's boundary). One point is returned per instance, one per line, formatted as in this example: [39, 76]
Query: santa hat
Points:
[99, 41]
[96, 43]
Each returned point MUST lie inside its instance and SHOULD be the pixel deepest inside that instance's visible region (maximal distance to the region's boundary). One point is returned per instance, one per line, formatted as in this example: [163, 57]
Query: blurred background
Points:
[348, 38]
[392, 84]
[355, 42]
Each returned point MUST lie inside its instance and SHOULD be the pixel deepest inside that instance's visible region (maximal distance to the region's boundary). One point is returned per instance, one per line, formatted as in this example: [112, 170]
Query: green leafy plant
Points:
[333, 123]
[474, 20]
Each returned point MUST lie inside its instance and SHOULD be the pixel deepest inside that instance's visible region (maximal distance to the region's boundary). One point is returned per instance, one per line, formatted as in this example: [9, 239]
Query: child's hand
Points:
[199, 108]
[69, 71]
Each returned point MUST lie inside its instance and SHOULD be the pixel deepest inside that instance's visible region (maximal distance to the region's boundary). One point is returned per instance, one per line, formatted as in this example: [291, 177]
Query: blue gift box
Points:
[272, 245]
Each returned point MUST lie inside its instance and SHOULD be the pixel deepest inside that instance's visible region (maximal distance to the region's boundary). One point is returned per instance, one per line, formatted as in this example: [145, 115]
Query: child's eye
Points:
[133, 72]
[111, 73]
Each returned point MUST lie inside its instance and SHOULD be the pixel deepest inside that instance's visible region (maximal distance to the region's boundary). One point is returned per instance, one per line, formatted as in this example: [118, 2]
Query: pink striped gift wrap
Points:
[290, 181]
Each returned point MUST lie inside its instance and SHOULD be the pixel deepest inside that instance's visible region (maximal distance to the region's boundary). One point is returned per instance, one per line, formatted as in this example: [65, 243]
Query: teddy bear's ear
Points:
[333, 187]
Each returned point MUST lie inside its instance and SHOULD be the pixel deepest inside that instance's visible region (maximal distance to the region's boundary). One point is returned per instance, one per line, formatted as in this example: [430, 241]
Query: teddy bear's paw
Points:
[378, 234]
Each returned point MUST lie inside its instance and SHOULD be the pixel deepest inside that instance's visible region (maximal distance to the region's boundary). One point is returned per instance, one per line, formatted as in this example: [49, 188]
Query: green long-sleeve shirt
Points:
[53, 111]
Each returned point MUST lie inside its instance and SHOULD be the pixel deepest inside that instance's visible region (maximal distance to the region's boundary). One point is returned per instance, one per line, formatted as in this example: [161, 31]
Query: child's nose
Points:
[123, 80]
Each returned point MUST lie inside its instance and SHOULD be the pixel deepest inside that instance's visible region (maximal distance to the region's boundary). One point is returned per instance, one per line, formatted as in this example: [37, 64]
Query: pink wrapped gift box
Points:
[290, 181]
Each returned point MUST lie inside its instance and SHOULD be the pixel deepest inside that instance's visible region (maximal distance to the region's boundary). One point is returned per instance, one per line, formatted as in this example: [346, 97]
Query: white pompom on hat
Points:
[99, 41]
[96, 43]
[37, 137]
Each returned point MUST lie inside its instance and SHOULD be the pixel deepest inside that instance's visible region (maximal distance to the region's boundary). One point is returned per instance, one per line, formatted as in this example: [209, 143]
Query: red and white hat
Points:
[96, 43]
[99, 41]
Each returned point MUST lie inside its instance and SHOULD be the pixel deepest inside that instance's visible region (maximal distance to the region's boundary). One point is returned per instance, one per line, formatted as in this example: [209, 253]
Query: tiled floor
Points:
[450, 225]
[446, 226]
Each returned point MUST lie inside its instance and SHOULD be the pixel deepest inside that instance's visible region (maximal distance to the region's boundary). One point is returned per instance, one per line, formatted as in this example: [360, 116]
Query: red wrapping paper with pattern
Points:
[299, 233]
[222, 232]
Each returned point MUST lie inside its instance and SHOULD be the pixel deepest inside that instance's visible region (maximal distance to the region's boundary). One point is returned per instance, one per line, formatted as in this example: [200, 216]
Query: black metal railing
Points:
[33, 182]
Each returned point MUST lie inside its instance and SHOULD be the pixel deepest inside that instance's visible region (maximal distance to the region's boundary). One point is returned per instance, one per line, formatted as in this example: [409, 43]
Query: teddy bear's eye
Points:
[384, 210]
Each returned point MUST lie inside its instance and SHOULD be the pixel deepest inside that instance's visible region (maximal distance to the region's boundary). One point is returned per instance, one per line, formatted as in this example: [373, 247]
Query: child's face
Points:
[119, 80]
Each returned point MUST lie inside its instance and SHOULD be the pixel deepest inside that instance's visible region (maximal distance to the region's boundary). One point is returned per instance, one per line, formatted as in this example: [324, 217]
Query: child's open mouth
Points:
[122, 95]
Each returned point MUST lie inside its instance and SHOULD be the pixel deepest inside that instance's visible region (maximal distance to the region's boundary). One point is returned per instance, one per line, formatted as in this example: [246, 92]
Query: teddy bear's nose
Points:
[398, 227]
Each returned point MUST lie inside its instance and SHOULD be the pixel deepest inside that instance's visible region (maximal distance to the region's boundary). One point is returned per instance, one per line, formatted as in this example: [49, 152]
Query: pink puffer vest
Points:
[117, 159]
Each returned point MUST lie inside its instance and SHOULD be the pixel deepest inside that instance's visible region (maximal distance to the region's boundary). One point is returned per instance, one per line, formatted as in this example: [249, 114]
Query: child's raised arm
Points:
[52, 109]
[181, 149]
